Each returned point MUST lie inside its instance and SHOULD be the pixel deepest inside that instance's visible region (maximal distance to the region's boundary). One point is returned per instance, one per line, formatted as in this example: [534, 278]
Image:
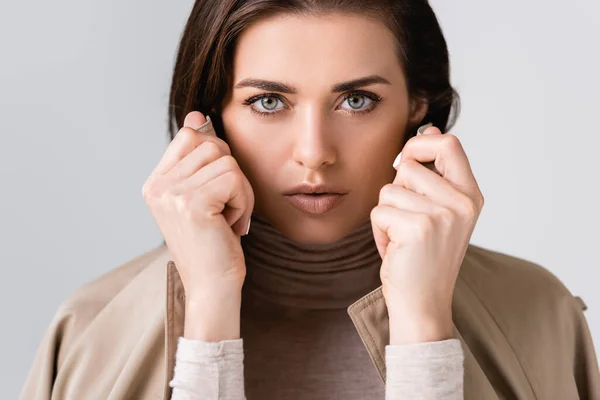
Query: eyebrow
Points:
[274, 86]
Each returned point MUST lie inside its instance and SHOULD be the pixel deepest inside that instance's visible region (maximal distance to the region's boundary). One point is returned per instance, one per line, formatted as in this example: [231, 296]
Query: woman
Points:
[301, 249]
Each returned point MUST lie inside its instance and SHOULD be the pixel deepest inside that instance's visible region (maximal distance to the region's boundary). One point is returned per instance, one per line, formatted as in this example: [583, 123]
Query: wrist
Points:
[213, 317]
[405, 329]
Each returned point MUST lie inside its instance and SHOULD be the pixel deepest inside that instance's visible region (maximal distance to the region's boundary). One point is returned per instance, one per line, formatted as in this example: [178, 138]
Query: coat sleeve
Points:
[40, 379]
[587, 374]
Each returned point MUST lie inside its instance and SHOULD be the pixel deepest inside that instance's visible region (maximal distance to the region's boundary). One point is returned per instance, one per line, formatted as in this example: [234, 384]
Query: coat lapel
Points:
[174, 322]
[370, 317]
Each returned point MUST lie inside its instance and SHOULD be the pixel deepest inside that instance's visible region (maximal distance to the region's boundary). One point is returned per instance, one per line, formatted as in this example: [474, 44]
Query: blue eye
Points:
[264, 104]
[357, 101]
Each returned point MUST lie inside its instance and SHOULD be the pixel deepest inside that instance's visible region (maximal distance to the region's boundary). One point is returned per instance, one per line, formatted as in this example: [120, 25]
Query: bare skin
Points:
[203, 191]
[314, 137]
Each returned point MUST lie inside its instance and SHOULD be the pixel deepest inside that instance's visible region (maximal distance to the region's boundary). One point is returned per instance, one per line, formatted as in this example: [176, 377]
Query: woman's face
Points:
[346, 137]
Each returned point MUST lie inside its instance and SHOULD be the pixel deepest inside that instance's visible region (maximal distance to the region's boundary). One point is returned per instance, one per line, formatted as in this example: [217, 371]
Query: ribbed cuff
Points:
[208, 370]
[431, 370]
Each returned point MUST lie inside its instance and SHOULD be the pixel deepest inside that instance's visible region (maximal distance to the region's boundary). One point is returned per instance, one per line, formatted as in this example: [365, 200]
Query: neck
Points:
[309, 276]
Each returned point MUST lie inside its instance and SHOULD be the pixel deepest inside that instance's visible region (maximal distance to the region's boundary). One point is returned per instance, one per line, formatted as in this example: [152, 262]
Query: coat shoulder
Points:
[509, 284]
[519, 295]
[95, 294]
[524, 313]
[97, 306]
[80, 308]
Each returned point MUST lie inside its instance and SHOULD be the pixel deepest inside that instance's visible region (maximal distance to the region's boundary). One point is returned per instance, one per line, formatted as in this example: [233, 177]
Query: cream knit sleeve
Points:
[208, 370]
[215, 371]
[430, 370]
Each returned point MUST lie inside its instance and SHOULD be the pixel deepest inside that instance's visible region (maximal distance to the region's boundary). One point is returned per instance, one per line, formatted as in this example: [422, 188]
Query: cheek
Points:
[251, 146]
[371, 162]
[245, 133]
[375, 166]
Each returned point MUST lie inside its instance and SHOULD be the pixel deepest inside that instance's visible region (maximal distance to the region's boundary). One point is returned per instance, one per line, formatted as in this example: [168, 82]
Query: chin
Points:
[322, 229]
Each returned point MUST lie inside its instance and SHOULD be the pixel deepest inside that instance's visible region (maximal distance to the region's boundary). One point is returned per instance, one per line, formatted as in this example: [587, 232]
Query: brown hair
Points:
[202, 73]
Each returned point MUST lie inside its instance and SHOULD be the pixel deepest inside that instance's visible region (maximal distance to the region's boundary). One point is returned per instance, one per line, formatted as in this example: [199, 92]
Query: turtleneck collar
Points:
[309, 276]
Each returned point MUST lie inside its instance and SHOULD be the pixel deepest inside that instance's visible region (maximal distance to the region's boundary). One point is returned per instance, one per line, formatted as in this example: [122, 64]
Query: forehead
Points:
[315, 49]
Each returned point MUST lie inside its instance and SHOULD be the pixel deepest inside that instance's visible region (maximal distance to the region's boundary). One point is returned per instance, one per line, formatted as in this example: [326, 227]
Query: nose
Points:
[313, 147]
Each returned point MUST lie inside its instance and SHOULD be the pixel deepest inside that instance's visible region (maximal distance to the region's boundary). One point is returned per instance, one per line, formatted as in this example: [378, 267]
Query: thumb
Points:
[428, 129]
[194, 120]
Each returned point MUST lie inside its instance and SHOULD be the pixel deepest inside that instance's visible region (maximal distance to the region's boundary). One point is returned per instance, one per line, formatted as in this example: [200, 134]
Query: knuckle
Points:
[236, 178]
[467, 207]
[251, 193]
[151, 190]
[481, 200]
[187, 135]
[224, 146]
[230, 162]
[424, 225]
[445, 215]
[184, 203]
[209, 145]
[403, 168]
[408, 166]
[210, 149]
[220, 144]
[146, 190]
[451, 142]
[386, 192]
[409, 142]
[375, 212]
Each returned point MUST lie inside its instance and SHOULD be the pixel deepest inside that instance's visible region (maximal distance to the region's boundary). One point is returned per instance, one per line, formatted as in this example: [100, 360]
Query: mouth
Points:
[315, 203]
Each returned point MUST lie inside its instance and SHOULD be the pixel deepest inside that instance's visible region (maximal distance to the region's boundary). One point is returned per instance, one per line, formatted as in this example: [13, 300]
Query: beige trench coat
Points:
[524, 334]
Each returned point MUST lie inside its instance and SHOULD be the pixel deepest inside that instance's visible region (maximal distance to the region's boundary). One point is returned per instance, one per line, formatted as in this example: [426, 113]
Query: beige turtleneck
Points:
[297, 340]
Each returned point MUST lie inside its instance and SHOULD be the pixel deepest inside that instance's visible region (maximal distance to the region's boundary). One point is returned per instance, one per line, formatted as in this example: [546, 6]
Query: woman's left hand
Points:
[422, 227]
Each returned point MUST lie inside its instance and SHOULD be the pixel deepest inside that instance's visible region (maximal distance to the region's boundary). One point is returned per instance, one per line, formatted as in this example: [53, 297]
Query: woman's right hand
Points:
[202, 203]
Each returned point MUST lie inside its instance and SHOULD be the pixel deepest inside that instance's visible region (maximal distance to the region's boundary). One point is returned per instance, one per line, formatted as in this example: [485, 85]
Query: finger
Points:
[226, 190]
[200, 124]
[393, 226]
[242, 226]
[185, 141]
[415, 177]
[182, 144]
[448, 155]
[428, 129]
[201, 156]
[225, 165]
[194, 120]
[405, 199]
[211, 171]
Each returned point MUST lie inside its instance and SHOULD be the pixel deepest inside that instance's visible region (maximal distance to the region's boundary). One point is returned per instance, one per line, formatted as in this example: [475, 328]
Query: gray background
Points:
[83, 98]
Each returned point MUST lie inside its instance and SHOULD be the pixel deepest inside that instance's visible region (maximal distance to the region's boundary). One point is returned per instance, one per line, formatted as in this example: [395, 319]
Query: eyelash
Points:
[373, 97]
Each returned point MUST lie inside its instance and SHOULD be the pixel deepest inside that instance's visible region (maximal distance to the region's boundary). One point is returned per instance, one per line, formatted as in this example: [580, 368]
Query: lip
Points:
[307, 188]
[315, 204]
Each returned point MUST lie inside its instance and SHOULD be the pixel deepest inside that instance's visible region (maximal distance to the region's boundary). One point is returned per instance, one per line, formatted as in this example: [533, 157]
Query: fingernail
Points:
[397, 160]
[422, 128]
[205, 127]
[249, 221]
